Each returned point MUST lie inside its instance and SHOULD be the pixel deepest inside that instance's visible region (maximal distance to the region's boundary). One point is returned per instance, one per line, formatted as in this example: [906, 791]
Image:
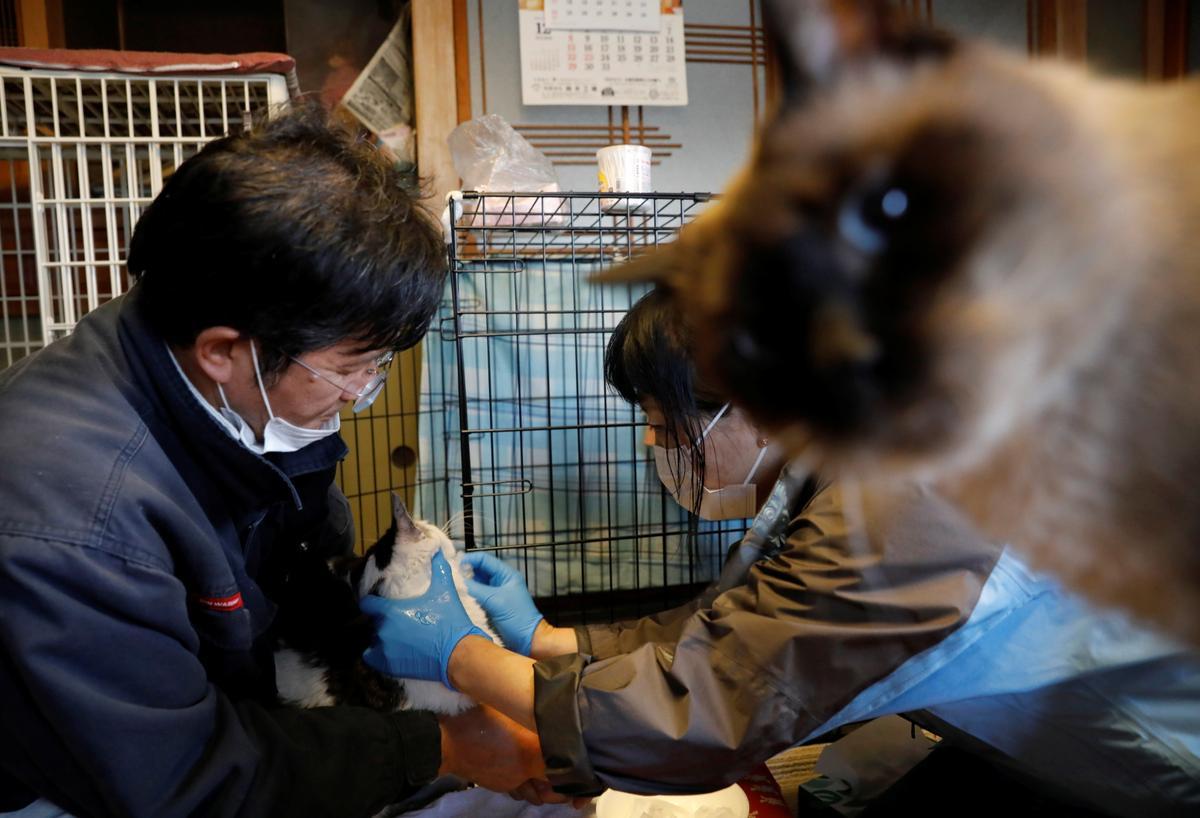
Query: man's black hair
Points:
[298, 234]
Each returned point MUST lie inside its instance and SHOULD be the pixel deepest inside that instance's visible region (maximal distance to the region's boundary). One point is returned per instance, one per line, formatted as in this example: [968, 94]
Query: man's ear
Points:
[214, 351]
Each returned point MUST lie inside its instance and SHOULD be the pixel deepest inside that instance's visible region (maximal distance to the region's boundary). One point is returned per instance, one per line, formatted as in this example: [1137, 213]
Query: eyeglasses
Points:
[364, 397]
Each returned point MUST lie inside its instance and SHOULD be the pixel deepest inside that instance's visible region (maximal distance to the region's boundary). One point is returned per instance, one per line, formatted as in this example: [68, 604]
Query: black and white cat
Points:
[322, 634]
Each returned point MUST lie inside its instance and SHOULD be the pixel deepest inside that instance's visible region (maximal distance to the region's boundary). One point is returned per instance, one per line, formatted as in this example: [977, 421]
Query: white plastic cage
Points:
[81, 154]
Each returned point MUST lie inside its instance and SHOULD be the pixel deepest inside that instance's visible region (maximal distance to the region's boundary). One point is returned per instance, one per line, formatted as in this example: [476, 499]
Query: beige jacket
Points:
[829, 592]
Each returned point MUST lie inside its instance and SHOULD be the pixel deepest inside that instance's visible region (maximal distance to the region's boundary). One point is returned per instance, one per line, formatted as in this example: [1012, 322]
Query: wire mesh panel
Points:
[554, 474]
[84, 153]
[22, 329]
[400, 445]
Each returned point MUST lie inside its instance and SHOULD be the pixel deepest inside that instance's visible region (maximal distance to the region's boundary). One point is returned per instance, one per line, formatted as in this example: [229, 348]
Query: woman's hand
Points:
[501, 591]
[550, 641]
[415, 637]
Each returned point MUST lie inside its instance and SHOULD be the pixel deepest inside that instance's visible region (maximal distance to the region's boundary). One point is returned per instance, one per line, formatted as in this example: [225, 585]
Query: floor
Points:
[792, 768]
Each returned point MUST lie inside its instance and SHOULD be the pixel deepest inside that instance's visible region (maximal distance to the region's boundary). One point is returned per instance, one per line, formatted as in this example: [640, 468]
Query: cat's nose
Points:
[745, 346]
[838, 338]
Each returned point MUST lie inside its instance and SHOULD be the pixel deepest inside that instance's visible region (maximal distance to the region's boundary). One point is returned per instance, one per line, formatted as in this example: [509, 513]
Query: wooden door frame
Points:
[1165, 28]
[40, 23]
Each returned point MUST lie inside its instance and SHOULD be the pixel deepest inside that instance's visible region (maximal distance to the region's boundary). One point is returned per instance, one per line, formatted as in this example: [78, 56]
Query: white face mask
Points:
[728, 503]
[278, 434]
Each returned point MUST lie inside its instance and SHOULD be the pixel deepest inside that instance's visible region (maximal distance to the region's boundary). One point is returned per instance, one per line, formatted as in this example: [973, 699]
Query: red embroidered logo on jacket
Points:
[221, 603]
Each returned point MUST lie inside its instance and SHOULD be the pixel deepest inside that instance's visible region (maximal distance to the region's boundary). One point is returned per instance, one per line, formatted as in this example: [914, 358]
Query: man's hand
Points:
[485, 746]
[415, 637]
[538, 792]
[501, 591]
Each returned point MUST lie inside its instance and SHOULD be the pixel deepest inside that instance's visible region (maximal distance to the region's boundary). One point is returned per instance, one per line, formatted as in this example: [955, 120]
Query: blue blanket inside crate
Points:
[559, 477]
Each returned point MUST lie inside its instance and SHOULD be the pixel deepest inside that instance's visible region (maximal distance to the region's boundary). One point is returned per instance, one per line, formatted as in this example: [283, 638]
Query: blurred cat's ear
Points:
[672, 264]
[816, 41]
[405, 527]
[660, 264]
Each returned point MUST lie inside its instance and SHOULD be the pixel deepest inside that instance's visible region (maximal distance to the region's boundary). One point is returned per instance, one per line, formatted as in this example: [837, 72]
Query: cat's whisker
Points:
[453, 522]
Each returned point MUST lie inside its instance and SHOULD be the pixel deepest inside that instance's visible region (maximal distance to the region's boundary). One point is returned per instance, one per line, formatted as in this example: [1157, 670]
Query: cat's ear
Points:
[659, 265]
[669, 264]
[402, 520]
[816, 41]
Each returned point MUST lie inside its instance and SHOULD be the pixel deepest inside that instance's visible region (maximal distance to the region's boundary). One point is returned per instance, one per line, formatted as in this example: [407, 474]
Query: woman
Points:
[708, 455]
[838, 606]
[711, 458]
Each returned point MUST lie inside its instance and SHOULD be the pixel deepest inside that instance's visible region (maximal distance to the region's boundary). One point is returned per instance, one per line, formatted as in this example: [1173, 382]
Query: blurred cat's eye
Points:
[894, 203]
[866, 216]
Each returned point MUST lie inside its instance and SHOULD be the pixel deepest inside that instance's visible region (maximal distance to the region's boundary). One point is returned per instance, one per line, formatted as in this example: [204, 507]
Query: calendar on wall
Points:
[607, 15]
[630, 53]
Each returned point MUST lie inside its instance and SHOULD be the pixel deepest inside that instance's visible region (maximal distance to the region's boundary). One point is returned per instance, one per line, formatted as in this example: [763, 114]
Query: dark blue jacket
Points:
[134, 532]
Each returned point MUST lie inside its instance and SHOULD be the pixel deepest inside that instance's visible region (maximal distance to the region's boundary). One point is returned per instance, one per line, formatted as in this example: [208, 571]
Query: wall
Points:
[1193, 36]
[1001, 21]
[715, 128]
[1115, 43]
[1115, 30]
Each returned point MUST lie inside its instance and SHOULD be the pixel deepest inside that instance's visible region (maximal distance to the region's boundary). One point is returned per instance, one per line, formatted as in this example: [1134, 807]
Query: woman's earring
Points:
[762, 442]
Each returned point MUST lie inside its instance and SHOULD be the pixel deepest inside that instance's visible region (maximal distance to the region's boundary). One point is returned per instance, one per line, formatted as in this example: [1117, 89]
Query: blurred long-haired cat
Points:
[948, 261]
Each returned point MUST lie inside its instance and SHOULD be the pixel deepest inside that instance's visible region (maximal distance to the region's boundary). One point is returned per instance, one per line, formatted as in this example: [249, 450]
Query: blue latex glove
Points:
[501, 591]
[415, 637]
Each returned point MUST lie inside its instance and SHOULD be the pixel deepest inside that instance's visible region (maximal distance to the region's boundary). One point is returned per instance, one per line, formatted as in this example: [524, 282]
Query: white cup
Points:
[624, 169]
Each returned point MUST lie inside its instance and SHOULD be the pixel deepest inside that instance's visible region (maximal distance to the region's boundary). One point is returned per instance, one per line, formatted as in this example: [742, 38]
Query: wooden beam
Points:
[1044, 40]
[55, 24]
[1165, 29]
[1072, 29]
[462, 59]
[754, 57]
[1058, 28]
[1175, 51]
[40, 23]
[772, 77]
[436, 93]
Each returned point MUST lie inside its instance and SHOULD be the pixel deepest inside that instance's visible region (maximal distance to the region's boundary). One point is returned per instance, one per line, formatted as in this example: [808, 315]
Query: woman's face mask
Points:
[726, 503]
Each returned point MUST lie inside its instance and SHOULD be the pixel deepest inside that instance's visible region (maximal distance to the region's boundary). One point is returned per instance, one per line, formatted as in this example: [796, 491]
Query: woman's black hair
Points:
[298, 234]
[649, 356]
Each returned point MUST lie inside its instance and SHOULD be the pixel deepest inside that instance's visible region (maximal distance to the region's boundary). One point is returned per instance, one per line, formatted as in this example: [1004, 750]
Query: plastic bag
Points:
[490, 156]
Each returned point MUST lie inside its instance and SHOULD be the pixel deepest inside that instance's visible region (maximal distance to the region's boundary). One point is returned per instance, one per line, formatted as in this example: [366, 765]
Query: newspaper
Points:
[382, 96]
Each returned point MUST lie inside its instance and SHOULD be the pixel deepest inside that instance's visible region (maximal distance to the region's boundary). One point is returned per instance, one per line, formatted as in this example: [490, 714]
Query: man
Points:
[160, 462]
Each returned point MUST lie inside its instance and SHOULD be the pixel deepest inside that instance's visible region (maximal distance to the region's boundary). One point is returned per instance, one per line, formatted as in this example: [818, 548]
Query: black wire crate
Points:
[554, 475]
